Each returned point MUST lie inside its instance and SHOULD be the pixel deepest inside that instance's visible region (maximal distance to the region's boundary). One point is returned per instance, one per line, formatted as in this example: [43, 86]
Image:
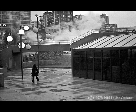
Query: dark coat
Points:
[34, 71]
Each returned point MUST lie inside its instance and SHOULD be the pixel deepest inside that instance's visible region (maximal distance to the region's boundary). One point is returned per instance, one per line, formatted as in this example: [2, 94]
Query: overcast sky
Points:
[121, 18]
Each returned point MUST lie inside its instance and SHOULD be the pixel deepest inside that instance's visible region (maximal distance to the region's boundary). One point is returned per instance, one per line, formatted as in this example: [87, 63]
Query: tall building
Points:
[25, 17]
[77, 17]
[105, 17]
[66, 16]
[7, 17]
[34, 24]
[56, 17]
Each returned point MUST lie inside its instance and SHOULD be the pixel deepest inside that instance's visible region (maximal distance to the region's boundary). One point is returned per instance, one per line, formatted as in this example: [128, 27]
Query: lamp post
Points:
[21, 32]
[43, 27]
[37, 40]
[36, 30]
[9, 39]
[22, 45]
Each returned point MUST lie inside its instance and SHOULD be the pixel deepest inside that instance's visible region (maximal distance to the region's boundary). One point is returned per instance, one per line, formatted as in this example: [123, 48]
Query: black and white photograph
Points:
[67, 55]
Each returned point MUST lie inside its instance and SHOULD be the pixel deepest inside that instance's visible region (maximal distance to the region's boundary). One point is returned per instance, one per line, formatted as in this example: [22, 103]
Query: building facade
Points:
[77, 17]
[25, 17]
[106, 18]
[7, 17]
[56, 17]
[33, 23]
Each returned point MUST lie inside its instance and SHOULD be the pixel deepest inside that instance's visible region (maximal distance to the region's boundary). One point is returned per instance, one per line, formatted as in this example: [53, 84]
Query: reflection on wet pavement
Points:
[57, 90]
[28, 89]
[60, 84]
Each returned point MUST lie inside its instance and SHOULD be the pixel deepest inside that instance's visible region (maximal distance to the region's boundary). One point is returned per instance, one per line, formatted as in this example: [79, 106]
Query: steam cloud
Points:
[88, 22]
[72, 29]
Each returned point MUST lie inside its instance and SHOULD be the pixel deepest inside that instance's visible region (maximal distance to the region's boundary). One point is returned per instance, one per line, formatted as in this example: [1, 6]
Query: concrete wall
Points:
[11, 56]
[60, 61]
[55, 47]
[6, 55]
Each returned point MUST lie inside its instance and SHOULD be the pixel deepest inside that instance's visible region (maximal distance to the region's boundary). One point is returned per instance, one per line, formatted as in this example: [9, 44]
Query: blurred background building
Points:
[56, 17]
[106, 18]
[77, 17]
[7, 17]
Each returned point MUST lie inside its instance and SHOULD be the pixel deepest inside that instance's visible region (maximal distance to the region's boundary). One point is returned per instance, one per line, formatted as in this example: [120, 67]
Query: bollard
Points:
[1, 79]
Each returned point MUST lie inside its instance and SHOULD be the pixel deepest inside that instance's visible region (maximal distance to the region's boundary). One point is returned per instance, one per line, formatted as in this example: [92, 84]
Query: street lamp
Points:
[26, 28]
[36, 30]
[9, 38]
[28, 46]
[22, 45]
[21, 32]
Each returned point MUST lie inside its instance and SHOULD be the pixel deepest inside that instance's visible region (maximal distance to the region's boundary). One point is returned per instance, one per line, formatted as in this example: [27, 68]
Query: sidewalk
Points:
[57, 84]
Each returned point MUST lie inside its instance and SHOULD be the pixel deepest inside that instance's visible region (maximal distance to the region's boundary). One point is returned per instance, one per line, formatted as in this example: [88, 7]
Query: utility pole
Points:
[37, 41]
[21, 56]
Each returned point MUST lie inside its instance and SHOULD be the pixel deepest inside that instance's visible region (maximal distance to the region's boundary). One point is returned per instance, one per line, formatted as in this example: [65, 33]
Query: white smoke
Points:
[88, 22]
[70, 30]
[31, 36]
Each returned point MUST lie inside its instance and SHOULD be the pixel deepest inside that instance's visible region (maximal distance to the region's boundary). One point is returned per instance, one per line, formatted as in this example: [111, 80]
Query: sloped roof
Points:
[111, 41]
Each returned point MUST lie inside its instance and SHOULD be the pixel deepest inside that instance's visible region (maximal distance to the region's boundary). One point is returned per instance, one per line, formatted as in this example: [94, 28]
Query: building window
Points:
[15, 17]
[5, 17]
[6, 12]
[15, 12]
[25, 22]
[25, 18]
[5, 21]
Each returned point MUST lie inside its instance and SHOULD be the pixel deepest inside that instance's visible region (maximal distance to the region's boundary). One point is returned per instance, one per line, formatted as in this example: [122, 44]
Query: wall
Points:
[6, 55]
[116, 64]
[11, 56]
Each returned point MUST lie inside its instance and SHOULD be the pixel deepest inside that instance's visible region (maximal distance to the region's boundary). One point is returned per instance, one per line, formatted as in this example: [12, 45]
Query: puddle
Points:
[57, 90]
[62, 85]
[19, 86]
[28, 89]
[53, 70]
[39, 92]
[77, 82]
[79, 98]
[48, 70]
[48, 87]
[62, 100]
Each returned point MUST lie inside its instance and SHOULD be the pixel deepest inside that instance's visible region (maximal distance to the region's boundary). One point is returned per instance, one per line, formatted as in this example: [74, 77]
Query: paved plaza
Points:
[57, 84]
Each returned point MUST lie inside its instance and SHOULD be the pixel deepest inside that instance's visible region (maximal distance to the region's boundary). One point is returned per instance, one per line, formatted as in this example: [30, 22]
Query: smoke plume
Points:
[70, 30]
[73, 29]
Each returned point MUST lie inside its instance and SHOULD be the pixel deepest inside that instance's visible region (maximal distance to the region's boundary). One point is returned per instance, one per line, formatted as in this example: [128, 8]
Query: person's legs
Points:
[37, 78]
[33, 79]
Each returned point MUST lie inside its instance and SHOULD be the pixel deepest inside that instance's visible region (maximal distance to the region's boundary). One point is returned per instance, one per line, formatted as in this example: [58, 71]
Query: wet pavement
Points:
[57, 84]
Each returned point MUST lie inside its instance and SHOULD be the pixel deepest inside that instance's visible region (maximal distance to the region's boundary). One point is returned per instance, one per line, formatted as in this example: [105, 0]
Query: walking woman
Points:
[34, 73]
